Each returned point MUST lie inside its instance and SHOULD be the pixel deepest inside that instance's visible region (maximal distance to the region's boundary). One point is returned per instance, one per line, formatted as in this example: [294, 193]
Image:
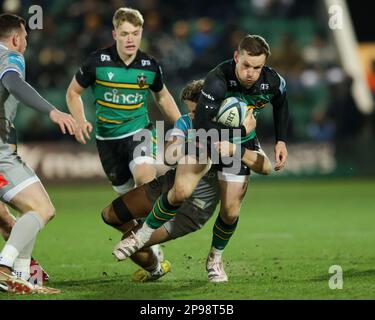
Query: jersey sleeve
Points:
[86, 74]
[280, 111]
[12, 61]
[180, 129]
[158, 83]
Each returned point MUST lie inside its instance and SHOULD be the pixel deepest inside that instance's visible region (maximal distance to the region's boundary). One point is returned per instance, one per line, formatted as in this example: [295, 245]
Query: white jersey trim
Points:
[119, 137]
[9, 195]
[10, 69]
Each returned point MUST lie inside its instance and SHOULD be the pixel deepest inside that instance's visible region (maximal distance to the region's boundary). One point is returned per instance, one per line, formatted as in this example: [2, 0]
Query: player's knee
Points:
[180, 193]
[230, 213]
[144, 173]
[47, 212]
[107, 214]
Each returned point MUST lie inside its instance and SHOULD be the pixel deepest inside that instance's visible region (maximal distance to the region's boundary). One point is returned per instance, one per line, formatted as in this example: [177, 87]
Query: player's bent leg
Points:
[164, 209]
[7, 221]
[187, 177]
[123, 210]
[34, 198]
[231, 193]
[143, 170]
[32, 201]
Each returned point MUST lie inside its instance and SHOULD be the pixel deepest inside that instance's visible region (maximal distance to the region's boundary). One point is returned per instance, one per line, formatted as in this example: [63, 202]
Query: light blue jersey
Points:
[10, 61]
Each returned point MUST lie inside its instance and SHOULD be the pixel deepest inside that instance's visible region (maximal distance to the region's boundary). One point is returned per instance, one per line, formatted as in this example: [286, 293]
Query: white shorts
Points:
[15, 175]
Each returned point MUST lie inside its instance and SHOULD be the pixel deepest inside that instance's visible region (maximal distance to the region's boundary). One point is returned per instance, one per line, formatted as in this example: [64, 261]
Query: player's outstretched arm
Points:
[26, 94]
[75, 106]
[167, 105]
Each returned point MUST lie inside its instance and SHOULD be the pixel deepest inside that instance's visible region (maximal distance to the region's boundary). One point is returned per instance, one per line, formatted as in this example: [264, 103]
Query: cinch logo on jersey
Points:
[208, 96]
[117, 98]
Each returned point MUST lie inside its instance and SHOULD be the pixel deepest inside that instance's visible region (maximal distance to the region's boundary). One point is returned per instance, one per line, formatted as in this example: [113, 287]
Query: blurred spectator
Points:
[204, 37]
[321, 128]
[342, 108]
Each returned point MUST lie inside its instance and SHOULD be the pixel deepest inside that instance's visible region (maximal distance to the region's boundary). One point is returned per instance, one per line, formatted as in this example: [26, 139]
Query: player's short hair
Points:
[254, 45]
[8, 23]
[192, 90]
[130, 15]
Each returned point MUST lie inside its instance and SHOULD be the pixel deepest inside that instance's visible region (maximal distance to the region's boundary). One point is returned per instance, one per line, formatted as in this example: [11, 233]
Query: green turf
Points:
[289, 234]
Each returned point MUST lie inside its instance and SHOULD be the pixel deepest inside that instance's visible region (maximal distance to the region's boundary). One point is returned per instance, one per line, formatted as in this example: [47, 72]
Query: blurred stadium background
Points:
[331, 136]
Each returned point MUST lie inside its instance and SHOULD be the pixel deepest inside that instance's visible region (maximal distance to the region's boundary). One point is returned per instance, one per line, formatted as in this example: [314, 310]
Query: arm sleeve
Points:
[158, 83]
[281, 112]
[25, 93]
[86, 75]
[212, 95]
[180, 129]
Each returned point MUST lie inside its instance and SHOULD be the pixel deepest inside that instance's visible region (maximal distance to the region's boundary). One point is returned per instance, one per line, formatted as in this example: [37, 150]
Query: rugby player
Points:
[194, 212]
[7, 220]
[245, 76]
[121, 77]
[19, 185]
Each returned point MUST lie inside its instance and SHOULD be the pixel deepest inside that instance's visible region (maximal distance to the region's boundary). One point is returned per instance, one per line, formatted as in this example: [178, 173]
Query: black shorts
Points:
[117, 157]
[244, 170]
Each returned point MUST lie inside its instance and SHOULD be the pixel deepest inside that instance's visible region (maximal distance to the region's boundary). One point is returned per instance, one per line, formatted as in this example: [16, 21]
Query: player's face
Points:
[248, 68]
[191, 106]
[20, 41]
[128, 38]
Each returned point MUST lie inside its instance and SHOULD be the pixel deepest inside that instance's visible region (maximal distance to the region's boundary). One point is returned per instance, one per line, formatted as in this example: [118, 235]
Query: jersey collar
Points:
[117, 58]
[3, 46]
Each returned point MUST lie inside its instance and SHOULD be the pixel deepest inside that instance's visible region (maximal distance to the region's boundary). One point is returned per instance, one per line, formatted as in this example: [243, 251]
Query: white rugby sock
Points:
[216, 252]
[22, 263]
[145, 232]
[23, 232]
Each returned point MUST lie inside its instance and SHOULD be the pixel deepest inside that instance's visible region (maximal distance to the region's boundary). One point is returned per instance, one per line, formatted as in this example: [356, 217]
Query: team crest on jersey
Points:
[110, 75]
[141, 80]
[232, 83]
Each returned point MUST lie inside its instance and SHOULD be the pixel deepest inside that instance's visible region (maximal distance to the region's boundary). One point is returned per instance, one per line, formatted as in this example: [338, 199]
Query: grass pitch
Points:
[289, 234]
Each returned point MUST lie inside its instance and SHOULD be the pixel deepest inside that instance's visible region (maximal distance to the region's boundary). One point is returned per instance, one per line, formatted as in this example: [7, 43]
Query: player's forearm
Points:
[75, 106]
[168, 107]
[257, 161]
[281, 117]
[25, 93]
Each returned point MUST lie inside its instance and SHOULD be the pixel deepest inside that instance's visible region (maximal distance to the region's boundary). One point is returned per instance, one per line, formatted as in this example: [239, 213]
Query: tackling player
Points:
[245, 76]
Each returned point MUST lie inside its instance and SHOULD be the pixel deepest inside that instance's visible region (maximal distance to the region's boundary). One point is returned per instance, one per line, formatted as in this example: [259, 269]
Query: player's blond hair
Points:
[130, 15]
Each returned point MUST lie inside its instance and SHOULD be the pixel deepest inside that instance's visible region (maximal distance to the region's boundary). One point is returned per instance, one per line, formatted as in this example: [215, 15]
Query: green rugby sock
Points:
[221, 233]
[161, 212]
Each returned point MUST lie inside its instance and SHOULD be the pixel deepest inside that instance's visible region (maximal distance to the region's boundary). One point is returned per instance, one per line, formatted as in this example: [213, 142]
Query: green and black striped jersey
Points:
[120, 91]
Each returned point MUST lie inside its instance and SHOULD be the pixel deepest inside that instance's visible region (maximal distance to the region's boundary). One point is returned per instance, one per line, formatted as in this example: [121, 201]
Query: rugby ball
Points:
[232, 112]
